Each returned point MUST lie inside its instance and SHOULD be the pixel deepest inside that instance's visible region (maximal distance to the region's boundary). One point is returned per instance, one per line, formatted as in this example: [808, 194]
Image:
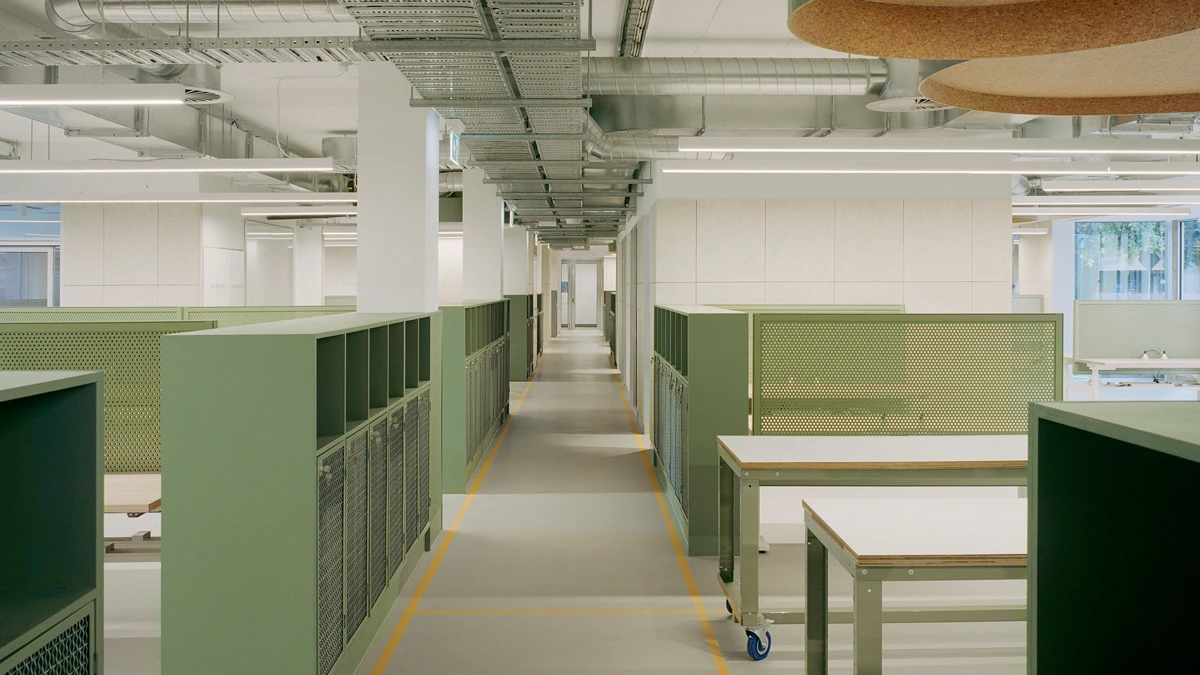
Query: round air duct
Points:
[201, 84]
[972, 29]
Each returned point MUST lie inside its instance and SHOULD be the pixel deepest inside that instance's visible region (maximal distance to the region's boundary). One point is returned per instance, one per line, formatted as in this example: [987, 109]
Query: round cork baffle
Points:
[973, 29]
[1159, 76]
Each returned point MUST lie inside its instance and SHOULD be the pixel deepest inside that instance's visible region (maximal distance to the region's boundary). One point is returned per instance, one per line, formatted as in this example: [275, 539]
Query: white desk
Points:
[879, 540]
[749, 463]
[1173, 366]
[132, 492]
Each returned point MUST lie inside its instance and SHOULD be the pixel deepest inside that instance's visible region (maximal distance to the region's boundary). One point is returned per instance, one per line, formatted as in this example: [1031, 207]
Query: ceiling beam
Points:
[568, 195]
[493, 103]
[445, 46]
[501, 163]
[521, 138]
[595, 180]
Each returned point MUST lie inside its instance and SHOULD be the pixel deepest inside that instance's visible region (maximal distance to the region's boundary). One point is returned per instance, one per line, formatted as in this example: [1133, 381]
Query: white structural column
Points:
[398, 207]
[483, 239]
[516, 261]
[308, 266]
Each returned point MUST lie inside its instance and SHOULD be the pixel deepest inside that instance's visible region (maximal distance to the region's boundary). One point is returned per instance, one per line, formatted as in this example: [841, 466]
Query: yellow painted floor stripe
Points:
[419, 593]
[710, 636]
[506, 612]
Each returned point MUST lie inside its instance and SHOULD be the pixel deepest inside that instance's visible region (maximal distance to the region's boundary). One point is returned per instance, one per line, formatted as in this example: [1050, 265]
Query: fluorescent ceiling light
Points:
[13, 95]
[1030, 230]
[27, 220]
[1181, 185]
[940, 146]
[978, 168]
[185, 198]
[1092, 211]
[299, 211]
[281, 165]
[1105, 200]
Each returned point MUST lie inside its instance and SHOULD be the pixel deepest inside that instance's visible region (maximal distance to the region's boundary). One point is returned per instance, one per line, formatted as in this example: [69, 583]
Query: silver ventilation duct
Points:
[450, 181]
[715, 76]
[903, 91]
[206, 11]
[69, 17]
[641, 147]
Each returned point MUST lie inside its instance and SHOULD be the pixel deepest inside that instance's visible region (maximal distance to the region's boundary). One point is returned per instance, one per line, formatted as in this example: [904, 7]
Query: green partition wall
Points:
[222, 317]
[522, 355]
[51, 552]
[539, 327]
[554, 320]
[699, 367]
[302, 460]
[1123, 329]
[475, 386]
[899, 374]
[610, 323]
[129, 355]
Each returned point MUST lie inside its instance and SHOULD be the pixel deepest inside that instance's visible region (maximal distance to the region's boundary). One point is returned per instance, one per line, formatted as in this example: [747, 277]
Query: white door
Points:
[564, 296]
[584, 290]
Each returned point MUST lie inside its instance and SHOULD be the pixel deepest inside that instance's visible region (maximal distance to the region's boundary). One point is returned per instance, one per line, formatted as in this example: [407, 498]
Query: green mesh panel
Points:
[87, 314]
[227, 317]
[900, 374]
[1120, 329]
[129, 355]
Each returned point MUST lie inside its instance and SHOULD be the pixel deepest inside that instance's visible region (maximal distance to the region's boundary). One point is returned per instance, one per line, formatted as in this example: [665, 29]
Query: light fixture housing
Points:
[967, 166]
[940, 146]
[328, 211]
[184, 198]
[280, 165]
[78, 95]
[1018, 231]
[1085, 211]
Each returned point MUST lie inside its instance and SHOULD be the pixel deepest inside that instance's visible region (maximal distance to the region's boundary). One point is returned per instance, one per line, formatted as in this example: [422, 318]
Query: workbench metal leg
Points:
[751, 618]
[816, 608]
[868, 625]
[727, 486]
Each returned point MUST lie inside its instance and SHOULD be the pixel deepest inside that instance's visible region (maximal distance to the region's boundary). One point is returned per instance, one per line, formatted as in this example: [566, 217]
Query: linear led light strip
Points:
[1088, 211]
[1112, 201]
[1010, 169]
[283, 165]
[20, 95]
[299, 211]
[185, 198]
[941, 146]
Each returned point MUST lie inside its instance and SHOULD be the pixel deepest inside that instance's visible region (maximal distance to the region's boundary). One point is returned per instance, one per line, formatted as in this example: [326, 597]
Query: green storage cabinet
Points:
[522, 315]
[303, 463]
[610, 323]
[700, 375]
[1112, 518]
[51, 553]
[475, 386]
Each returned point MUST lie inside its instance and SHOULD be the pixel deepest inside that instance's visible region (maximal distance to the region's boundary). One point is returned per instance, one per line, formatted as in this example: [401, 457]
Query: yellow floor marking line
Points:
[506, 612]
[419, 593]
[710, 636]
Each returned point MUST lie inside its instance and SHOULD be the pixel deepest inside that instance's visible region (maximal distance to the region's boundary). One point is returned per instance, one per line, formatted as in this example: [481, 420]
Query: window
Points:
[1189, 281]
[1122, 261]
[27, 277]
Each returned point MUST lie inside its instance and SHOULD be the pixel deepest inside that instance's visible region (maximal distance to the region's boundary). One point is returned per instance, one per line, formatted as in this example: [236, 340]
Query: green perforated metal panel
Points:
[87, 314]
[395, 489]
[227, 317]
[899, 374]
[129, 354]
[356, 533]
[1120, 329]
[331, 477]
[378, 476]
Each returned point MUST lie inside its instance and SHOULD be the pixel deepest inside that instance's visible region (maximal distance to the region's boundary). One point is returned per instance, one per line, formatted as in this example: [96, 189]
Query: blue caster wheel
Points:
[757, 649]
[728, 607]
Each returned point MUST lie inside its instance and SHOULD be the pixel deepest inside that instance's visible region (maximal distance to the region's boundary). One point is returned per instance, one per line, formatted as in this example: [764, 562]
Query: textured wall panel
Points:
[899, 374]
[129, 354]
[1116, 329]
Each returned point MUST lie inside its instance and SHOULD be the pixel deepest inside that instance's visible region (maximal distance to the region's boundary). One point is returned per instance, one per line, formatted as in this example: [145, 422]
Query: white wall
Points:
[1035, 260]
[269, 263]
[610, 272]
[517, 264]
[224, 258]
[341, 270]
[930, 256]
[131, 255]
[450, 269]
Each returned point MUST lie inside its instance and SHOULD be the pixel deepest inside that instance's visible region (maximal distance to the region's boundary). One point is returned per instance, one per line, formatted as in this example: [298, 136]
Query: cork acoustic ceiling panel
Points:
[1159, 76]
[973, 29]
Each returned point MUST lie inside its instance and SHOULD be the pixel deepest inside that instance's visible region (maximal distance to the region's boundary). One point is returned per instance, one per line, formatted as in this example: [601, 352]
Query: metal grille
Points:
[395, 488]
[67, 653]
[412, 481]
[378, 476]
[206, 51]
[330, 516]
[356, 534]
[423, 409]
[130, 356]
[898, 374]
[670, 434]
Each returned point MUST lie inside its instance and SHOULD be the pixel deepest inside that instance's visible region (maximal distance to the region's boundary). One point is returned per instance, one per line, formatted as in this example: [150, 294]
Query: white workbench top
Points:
[786, 453]
[946, 532]
[1145, 364]
[132, 492]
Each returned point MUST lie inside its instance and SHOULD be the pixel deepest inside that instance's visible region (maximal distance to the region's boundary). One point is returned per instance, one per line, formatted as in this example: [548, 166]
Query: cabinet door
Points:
[423, 410]
[67, 648]
[331, 476]
[377, 475]
[412, 480]
[356, 533]
[395, 489]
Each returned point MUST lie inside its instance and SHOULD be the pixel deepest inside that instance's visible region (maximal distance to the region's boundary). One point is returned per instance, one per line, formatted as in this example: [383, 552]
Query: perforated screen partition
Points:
[129, 355]
[226, 317]
[88, 314]
[902, 374]
[1116, 329]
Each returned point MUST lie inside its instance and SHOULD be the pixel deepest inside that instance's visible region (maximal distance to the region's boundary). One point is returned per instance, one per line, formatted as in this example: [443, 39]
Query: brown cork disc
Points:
[971, 29]
[1159, 76]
